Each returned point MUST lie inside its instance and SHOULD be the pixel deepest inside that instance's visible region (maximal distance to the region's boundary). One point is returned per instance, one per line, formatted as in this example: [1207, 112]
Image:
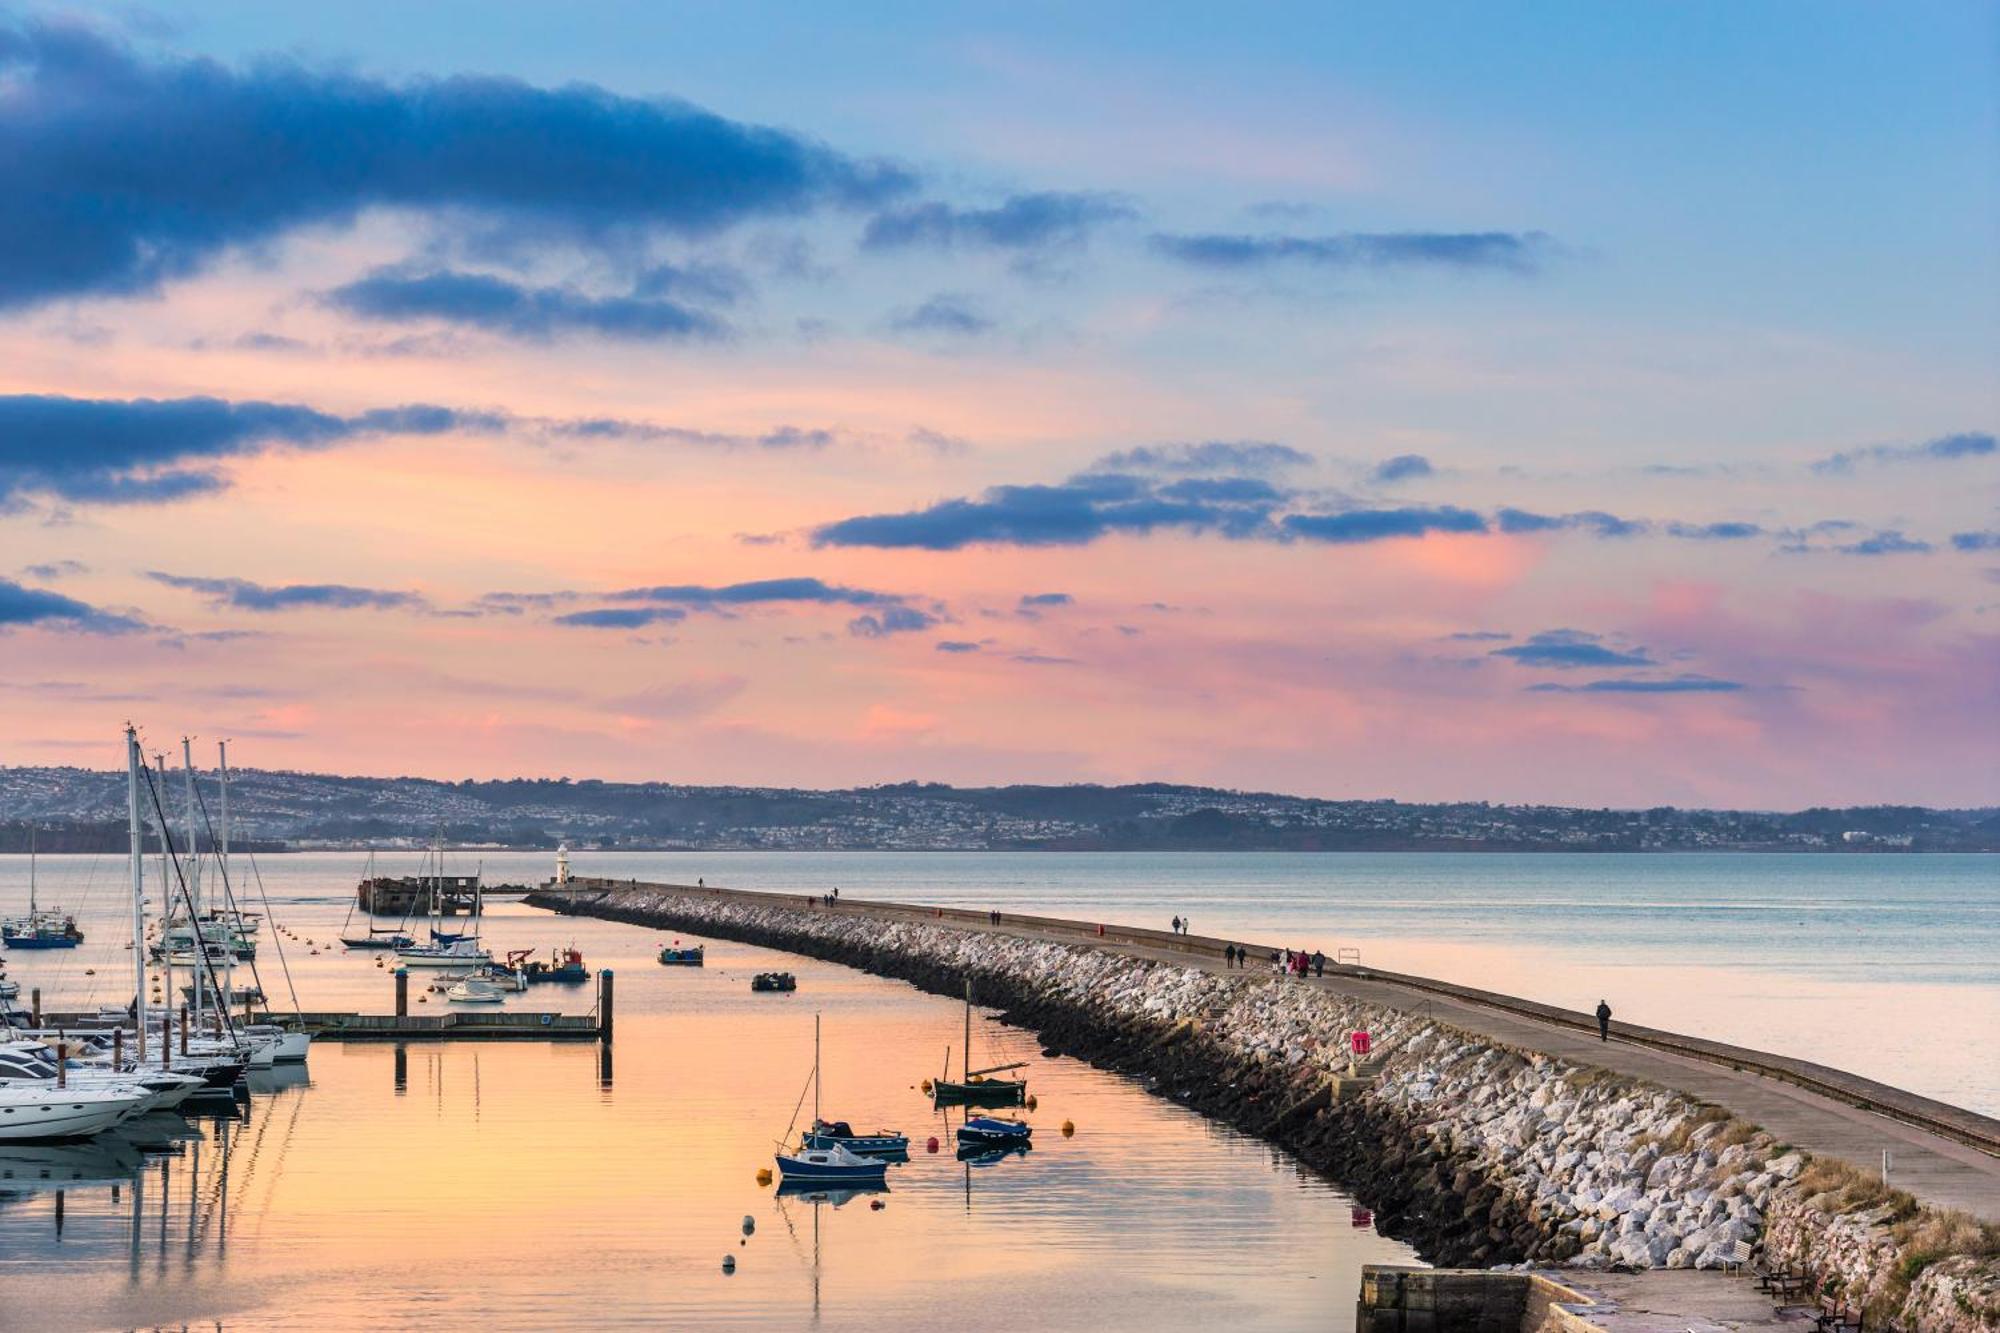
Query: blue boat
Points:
[673, 955]
[835, 1165]
[54, 929]
[567, 969]
[992, 1131]
[883, 1143]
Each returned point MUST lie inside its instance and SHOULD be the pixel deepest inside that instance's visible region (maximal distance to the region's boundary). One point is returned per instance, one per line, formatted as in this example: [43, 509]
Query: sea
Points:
[515, 1186]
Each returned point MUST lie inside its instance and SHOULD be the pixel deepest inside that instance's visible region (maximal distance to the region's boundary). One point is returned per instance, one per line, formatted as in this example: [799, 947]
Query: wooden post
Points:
[184, 1029]
[62, 1064]
[35, 1003]
[118, 1048]
[604, 1005]
[402, 992]
[166, 1041]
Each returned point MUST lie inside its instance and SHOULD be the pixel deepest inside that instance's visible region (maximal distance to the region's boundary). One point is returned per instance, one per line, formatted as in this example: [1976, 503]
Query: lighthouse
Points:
[562, 864]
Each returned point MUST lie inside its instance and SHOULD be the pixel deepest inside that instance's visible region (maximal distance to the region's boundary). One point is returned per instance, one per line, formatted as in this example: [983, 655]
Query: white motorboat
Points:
[459, 953]
[37, 1110]
[34, 1062]
[288, 1047]
[475, 990]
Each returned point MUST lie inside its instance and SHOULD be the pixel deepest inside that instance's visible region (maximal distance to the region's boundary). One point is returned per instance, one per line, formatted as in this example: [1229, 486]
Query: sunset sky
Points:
[1566, 402]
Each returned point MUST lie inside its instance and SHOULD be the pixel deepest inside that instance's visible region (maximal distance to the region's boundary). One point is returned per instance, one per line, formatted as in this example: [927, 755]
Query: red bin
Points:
[1359, 1042]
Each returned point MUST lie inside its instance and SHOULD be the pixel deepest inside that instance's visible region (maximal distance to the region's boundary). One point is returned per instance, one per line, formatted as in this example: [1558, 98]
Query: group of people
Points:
[1180, 925]
[1294, 962]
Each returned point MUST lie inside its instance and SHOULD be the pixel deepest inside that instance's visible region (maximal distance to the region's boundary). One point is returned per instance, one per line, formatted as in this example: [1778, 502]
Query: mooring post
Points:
[184, 1029]
[118, 1048]
[402, 992]
[166, 1041]
[604, 1005]
[35, 1003]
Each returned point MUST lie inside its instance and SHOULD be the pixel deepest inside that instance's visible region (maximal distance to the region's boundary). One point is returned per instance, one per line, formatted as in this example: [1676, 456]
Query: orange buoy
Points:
[925, 1085]
[763, 1175]
[1069, 1128]
[1032, 1103]
[875, 1205]
[932, 1146]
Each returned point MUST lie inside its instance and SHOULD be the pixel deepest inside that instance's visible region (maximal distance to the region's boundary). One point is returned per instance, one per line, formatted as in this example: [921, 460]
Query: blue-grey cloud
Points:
[1715, 532]
[956, 646]
[1568, 648]
[890, 620]
[702, 597]
[1480, 636]
[52, 610]
[1965, 444]
[1023, 222]
[622, 617]
[1592, 520]
[124, 171]
[1403, 467]
[1205, 456]
[1046, 599]
[1684, 684]
[1975, 541]
[497, 305]
[1519, 252]
[1884, 543]
[55, 569]
[244, 595]
[1042, 659]
[1371, 525]
[1073, 513]
[118, 451]
[947, 312]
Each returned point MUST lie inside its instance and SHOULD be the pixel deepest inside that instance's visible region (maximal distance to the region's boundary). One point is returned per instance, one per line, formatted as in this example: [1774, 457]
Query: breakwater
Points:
[1477, 1152]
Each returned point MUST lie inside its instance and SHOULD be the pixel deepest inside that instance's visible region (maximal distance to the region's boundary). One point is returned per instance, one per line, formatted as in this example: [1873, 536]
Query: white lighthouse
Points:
[562, 864]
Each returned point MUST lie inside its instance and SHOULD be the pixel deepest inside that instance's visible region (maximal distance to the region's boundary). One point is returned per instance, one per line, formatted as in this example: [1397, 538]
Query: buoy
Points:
[1069, 1128]
[729, 1263]
[764, 1175]
[1032, 1103]
[875, 1205]
[749, 1224]
[423, 999]
[932, 1145]
[925, 1085]
[90, 971]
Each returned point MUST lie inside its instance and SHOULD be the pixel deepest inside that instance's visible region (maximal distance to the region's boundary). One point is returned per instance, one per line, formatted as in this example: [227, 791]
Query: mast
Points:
[194, 878]
[965, 1055]
[815, 1069]
[138, 858]
[34, 909]
[166, 886]
[222, 850]
[232, 919]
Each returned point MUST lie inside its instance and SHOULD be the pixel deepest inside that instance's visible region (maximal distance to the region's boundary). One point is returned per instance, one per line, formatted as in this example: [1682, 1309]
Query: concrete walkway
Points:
[1937, 1169]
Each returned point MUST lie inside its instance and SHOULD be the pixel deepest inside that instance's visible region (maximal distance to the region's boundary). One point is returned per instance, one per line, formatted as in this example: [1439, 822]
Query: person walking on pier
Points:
[1176, 925]
[1319, 963]
[1229, 955]
[1603, 1020]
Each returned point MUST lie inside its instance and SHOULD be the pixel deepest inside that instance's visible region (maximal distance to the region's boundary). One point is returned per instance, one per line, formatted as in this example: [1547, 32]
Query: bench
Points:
[1835, 1317]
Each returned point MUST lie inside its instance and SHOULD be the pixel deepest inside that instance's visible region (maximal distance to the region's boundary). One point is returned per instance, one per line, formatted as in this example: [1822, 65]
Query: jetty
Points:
[1483, 1128]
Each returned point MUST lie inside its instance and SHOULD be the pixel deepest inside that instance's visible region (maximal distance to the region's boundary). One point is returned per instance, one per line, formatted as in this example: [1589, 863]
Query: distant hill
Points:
[77, 809]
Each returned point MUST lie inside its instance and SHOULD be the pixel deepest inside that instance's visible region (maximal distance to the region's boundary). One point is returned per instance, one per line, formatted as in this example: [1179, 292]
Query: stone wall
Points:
[1474, 1153]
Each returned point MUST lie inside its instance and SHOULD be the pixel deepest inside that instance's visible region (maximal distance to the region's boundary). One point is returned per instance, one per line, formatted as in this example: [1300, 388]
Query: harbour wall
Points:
[1474, 1152]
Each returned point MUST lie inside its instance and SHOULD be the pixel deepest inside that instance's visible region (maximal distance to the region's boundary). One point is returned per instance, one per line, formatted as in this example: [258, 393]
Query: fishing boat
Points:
[475, 990]
[53, 929]
[976, 1089]
[991, 1131]
[567, 969]
[673, 955]
[774, 981]
[882, 1143]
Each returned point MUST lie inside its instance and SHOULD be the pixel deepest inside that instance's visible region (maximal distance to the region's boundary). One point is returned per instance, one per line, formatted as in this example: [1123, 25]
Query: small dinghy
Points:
[836, 1133]
[673, 955]
[774, 981]
[832, 1164]
[991, 1131]
[475, 990]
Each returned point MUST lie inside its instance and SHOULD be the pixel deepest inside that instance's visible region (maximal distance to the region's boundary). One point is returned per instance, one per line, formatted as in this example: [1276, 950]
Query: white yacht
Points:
[37, 1110]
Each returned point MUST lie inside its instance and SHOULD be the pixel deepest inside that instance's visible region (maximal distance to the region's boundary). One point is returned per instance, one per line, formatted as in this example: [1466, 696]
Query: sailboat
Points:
[884, 1143]
[377, 937]
[445, 949]
[977, 1089]
[53, 929]
[834, 1161]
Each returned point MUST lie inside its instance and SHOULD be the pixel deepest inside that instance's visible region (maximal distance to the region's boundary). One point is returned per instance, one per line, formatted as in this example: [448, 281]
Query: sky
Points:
[1562, 402]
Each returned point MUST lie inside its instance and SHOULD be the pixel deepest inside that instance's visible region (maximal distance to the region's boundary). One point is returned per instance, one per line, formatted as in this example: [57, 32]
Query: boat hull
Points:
[68, 1114]
[803, 1168]
[862, 1145]
[994, 1092]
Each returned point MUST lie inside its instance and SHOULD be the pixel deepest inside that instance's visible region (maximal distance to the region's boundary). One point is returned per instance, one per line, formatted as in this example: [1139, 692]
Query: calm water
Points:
[523, 1186]
[1885, 965]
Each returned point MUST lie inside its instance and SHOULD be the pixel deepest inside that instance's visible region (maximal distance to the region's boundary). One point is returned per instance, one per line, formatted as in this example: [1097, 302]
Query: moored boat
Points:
[835, 1164]
[673, 955]
[992, 1131]
[567, 969]
[774, 981]
[475, 990]
[837, 1133]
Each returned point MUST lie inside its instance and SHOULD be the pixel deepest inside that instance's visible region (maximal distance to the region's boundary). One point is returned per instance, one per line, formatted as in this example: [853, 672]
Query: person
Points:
[1319, 963]
[1603, 1021]
[1185, 925]
[700, 883]
[1229, 955]
[1176, 925]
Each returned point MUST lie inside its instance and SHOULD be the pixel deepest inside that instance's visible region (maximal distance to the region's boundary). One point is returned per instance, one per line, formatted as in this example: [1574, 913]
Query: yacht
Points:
[38, 1110]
